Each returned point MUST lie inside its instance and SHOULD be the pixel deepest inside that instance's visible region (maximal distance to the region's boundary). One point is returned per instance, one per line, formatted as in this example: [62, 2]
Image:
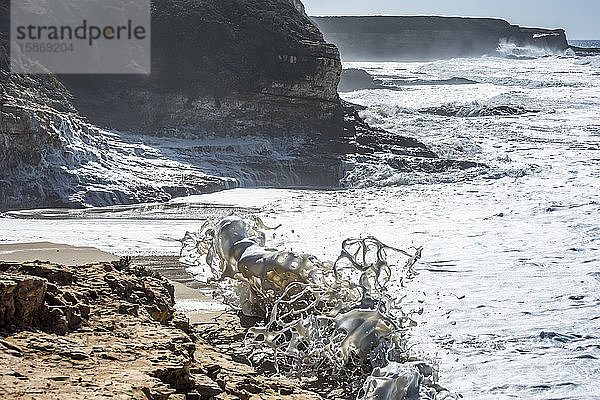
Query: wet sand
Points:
[54, 253]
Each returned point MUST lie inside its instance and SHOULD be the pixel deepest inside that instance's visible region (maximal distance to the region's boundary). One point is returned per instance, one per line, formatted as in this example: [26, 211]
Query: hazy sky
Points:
[580, 18]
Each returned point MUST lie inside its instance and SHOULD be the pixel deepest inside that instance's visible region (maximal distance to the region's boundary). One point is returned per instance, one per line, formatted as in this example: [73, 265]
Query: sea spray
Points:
[509, 49]
[322, 322]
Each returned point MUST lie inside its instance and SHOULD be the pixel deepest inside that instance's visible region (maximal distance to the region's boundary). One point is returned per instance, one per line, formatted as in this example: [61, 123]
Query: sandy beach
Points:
[52, 252]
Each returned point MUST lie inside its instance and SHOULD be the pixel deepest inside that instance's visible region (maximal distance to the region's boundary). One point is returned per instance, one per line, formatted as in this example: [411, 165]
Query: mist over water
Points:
[509, 279]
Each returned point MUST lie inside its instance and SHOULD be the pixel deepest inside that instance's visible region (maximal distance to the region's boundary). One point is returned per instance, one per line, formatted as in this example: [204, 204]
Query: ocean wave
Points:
[389, 171]
[509, 49]
[476, 109]
[365, 172]
[513, 103]
[333, 324]
[431, 82]
[508, 104]
[592, 61]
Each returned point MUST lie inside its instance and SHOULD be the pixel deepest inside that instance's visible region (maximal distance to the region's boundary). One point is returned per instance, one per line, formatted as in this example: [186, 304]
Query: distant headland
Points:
[379, 38]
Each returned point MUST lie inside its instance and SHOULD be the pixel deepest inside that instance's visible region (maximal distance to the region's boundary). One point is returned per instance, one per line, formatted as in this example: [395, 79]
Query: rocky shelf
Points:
[109, 330]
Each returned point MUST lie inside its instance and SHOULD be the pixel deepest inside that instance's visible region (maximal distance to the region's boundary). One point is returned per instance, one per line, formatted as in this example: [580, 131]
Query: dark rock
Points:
[356, 79]
[241, 66]
[52, 273]
[20, 299]
[428, 165]
[159, 392]
[213, 370]
[206, 387]
[286, 390]
[360, 138]
[10, 346]
[76, 355]
[181, 321]
[54, 320]
[129, 309]
[68, 296]
[160, 312]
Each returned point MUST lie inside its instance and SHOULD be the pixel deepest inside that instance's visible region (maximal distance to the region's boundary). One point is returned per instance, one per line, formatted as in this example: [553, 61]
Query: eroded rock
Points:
[110, 329]
[21, 298]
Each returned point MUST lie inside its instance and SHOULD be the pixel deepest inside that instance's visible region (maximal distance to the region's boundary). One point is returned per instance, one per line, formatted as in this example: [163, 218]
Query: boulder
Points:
[21, 297]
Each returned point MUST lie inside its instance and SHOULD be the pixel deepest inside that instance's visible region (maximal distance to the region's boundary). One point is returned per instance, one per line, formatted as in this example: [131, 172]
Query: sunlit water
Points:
[510, 276]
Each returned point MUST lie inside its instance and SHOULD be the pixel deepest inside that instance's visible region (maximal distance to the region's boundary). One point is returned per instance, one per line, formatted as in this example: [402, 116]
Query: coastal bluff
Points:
[241, 93]
[225, 69]
[251, 66]
[413, 38]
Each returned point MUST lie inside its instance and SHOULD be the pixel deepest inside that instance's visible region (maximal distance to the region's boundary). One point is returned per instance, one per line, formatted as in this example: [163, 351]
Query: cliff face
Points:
[423, 38]
[252, 66]
[232, 66]
[299, 6]
[242, 93]
[56, 159]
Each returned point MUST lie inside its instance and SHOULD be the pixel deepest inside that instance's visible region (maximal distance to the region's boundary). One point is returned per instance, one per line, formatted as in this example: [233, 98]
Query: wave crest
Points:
[509, 49]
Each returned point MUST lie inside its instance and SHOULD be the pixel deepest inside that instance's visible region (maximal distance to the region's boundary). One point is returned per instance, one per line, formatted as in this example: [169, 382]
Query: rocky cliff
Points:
[378, 38]
[235, 68]
[252, 66]
[242, 93]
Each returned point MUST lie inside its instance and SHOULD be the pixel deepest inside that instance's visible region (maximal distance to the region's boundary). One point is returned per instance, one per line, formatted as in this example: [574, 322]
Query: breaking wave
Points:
[327, 323]
[512, 50]
[476, 109]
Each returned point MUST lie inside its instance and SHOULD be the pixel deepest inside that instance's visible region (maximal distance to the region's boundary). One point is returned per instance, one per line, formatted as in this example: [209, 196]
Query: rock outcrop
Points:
[365, 145]
[379, 38]
[356, 79]
[234, 68]
[52, 158]
[110, 330]
[251, 66]
[21, 298]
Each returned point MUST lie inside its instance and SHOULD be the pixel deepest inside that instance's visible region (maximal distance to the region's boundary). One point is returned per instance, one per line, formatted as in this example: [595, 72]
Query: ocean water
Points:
[585, 43]
[509, 282]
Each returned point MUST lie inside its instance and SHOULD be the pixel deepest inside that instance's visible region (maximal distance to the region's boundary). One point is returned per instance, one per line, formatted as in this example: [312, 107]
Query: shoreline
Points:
[55, 253]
